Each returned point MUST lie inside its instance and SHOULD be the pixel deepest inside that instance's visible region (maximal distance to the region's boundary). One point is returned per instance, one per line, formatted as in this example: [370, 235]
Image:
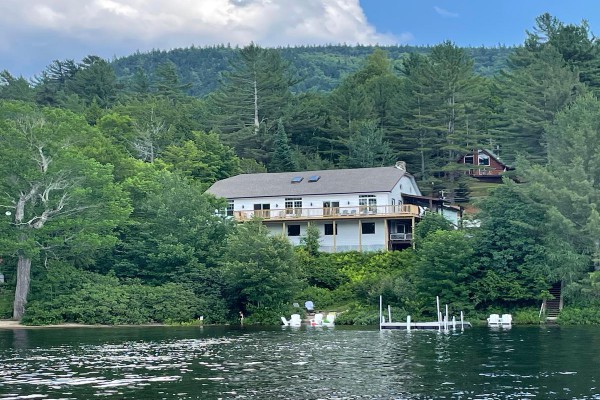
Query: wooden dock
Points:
[444, 323]
[423, 325]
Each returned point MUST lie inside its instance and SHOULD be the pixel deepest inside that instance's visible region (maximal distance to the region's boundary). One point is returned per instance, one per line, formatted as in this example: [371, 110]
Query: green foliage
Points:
[430, 223]
[260, 270]
[282, 160]
[319, 270]
[358, 314]
[203, 158]
[444, 268]
[579, 316]
[260, 315]
[70, 295]
[310, 241]
[526, 316]
[511, 255]
[321, 297]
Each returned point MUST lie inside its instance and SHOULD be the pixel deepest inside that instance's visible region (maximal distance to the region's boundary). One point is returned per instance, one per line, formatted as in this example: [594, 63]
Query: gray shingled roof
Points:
[360, 180]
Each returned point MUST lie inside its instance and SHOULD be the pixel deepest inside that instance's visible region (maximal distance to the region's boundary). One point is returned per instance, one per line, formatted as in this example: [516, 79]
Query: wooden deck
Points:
[338, 213]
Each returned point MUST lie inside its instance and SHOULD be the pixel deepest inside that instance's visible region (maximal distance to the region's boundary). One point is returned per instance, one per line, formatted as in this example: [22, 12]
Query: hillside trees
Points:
[531, 95]
[568, 186]
[366, 95]
[444, 115]
[58, 198]
[510, 249]
[251, 98]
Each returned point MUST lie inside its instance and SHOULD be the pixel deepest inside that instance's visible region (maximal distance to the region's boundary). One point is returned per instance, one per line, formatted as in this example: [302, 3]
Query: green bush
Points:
[321, 297]
[358, 315]
[526, 316]
[90, 298]
[579, 316]
[265, 315]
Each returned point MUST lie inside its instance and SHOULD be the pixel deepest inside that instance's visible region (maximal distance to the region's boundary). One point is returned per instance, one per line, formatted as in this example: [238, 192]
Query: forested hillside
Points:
[104, 167]
[318, 68]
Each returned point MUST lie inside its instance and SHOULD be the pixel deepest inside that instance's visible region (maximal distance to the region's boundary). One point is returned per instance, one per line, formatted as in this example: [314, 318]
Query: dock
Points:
[424, 325]
[443, 323]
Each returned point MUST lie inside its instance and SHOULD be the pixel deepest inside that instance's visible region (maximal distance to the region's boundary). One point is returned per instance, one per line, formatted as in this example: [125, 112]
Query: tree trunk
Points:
[22, 289]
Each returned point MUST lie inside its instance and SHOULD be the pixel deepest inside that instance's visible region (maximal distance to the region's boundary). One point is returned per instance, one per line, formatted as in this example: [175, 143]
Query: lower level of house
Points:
[339, 235]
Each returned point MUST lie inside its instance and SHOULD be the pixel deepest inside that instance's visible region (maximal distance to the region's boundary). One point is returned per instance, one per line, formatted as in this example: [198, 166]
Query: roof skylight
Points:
[314, 178]
[297, 179]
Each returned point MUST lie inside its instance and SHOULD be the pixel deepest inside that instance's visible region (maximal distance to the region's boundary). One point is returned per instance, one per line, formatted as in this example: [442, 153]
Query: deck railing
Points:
[403, 210]
[401, 237]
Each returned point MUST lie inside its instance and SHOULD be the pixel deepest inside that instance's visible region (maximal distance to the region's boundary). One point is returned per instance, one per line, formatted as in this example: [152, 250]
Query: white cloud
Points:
[35, 32]
[445, 13]
[178, 23]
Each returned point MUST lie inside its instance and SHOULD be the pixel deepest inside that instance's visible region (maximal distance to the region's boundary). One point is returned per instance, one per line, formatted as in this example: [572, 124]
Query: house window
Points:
[329, 230]
[293, 230]
[293, 205]
[469, 159]
[331, 207]
[229, 211]
[484, 159]
[367, 203]
[262, 210]
[368, 228]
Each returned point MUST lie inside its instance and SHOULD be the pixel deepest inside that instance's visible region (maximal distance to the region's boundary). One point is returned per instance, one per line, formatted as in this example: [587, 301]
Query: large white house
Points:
[361, 209]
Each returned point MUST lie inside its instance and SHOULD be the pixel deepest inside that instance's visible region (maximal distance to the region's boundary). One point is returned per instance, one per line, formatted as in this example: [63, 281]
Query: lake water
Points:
[281, 363]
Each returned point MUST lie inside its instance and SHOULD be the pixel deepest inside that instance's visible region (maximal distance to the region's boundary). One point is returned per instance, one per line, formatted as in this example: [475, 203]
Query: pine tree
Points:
[282, 160]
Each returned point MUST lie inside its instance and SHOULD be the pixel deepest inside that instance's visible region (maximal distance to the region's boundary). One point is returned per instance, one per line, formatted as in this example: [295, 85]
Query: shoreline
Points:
[11, 324]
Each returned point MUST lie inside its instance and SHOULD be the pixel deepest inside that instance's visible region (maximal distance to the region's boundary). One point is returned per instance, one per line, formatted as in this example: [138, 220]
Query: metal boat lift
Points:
[442, 324]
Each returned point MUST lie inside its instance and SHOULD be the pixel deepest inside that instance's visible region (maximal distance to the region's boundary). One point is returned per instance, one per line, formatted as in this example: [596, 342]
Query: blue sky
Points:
[33, 33]
[473, 22]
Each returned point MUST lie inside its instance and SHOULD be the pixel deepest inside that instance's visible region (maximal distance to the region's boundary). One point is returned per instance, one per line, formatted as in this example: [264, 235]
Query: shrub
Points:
[526, 316]
[579, 316]
[90, 298]
[260, 315]
[321, 297]
[358, 315]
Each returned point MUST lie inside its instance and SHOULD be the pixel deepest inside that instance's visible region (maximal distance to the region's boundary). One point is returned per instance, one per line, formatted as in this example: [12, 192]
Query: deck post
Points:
[462, 321]
[389, 313]
[437, 302]
[334, 235]
[380, 310]
[360, 235]
[453, 322]
[408, 323]
[446, 319]
[386, 233]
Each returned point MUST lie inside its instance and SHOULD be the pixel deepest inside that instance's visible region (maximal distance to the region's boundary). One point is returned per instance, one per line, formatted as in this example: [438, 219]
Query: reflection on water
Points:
[340, 363]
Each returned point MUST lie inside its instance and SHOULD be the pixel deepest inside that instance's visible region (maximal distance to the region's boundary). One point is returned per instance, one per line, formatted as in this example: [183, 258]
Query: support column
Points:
[386, 239]
[412, 234]
[334, 235]
[360, 235]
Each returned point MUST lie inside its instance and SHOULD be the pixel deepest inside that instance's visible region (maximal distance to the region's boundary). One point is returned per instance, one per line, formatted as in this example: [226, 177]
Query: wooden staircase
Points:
[554, 305]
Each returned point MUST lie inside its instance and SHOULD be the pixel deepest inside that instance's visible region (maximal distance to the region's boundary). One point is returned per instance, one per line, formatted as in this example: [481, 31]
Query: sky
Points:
[33, 33]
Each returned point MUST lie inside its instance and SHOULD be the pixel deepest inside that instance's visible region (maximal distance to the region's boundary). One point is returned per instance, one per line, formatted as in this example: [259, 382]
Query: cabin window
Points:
[293, 205]
[368, 228]
[469, 159]
[229, 211]
[329, 230]
[484, 159]
[293, 230]
[331, 207]
[262, 210]
[367, 203]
